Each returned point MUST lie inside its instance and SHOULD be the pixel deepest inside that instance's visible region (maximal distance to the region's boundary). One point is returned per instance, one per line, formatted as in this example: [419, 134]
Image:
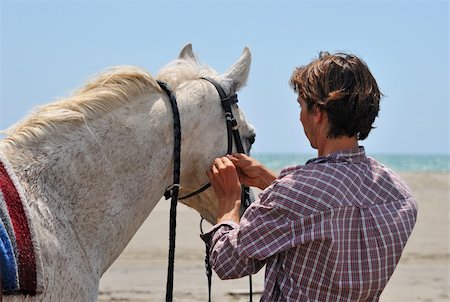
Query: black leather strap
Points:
[231, 100]
[172, 191]
[196, 192]
[232, 132]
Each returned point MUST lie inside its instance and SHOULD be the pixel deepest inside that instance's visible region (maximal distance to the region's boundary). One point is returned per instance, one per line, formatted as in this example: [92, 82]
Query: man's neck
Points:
[333, 145]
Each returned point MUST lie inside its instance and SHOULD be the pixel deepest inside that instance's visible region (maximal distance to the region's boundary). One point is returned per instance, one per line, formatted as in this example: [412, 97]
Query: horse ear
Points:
[187, 54]
[240, 70]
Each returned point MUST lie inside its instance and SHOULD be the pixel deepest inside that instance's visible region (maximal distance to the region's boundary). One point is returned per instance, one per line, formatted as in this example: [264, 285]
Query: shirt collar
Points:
[352, 156]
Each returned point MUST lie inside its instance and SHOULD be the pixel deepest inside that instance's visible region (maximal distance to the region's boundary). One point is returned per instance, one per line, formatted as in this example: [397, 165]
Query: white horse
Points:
[93, 166]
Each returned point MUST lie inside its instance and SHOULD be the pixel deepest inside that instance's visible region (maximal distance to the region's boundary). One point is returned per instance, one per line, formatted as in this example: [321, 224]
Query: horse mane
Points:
[106, 91]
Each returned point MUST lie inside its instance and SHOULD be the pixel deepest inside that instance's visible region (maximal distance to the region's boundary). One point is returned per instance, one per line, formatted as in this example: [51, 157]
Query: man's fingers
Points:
[240, 159]
[226, 161]
[240, 156]
[223, 163]
[232, 157]
[218, 163]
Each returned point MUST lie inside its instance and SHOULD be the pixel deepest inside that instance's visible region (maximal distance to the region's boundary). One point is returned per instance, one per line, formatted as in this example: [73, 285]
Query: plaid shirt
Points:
[330, 230]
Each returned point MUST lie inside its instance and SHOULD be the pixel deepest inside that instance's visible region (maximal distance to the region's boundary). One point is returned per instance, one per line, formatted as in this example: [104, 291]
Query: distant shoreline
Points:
[400, 163]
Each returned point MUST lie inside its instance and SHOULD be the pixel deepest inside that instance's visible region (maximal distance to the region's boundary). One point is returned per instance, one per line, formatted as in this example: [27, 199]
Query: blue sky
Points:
[49, 48]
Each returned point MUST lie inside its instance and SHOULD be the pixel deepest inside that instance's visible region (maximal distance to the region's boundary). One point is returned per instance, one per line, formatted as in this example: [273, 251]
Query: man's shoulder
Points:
[299, 190]
[304, 172]
[320, 187]
[388, 180]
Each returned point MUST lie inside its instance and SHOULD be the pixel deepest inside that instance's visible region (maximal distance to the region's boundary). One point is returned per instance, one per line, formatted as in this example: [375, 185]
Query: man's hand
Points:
[251, 172]
[225, 183]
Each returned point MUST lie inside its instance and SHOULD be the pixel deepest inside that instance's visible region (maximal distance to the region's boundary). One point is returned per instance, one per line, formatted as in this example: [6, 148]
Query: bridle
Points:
[173, 191]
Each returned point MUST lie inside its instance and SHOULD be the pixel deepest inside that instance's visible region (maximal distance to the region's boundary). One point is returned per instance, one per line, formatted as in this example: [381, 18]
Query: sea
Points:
[397, 162]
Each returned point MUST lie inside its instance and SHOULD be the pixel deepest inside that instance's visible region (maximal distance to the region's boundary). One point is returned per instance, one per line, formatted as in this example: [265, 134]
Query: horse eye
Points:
[251, 139]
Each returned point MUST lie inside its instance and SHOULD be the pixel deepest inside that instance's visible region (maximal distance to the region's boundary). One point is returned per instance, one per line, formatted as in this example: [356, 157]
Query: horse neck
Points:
[103, 179]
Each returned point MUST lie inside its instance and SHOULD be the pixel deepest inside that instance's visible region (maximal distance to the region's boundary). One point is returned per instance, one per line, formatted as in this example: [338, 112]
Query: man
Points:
[332, 229]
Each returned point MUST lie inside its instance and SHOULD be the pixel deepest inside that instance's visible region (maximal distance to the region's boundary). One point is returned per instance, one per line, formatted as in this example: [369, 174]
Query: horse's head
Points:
[203, 126]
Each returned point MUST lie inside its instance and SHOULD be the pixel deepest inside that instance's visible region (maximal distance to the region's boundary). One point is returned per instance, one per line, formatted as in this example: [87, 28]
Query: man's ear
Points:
[319, 114]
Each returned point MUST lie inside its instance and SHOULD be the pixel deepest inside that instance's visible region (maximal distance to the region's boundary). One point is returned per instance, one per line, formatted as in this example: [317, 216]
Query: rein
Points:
[173, 191]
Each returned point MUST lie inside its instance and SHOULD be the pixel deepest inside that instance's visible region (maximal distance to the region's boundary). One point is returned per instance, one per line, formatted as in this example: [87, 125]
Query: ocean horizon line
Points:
[398, 162]
[384, 153]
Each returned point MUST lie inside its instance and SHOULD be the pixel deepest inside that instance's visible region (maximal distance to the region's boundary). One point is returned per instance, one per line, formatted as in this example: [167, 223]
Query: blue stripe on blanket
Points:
[8, 262]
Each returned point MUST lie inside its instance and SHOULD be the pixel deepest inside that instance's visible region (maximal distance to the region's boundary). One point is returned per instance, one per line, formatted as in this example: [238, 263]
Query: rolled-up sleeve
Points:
[237, 250]
[225, 257]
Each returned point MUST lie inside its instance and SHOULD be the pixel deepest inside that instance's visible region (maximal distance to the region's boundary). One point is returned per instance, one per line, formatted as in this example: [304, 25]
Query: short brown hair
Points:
[341, 85]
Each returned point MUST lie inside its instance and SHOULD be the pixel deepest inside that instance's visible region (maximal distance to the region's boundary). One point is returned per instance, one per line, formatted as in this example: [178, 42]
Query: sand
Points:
[139, 274]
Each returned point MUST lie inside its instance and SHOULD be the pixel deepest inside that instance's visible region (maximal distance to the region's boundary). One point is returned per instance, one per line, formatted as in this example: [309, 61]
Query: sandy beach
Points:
[139, 274]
